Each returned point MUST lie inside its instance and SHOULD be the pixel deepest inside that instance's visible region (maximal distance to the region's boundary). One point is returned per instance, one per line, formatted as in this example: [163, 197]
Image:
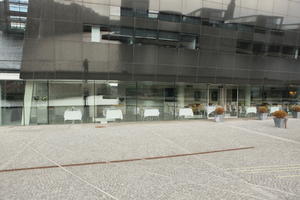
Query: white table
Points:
[151, 112]
[251, 110]
[113, 114]
[72, 115]
[186, 112]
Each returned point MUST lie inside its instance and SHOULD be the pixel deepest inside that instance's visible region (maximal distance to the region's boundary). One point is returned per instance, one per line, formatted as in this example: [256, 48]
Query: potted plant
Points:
[219, 114]
[296, 111]
[280, 118]
[262, 112]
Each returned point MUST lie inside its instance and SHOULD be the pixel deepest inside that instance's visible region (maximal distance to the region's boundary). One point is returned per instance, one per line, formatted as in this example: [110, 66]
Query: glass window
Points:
[106, 34]
[289, 51]
[11, 102]
[115, 101]
[18, 8]
[259, 48]
[18, 18]
[244, 47]
[164, 16]
[191, 100]
[38, 104]
[71, 102]
[127, 12]
[141, 13]
[249, 98]
[17, 25]
[189, 41]
[260, 30]
[155, 101]
[153, 14]
[245, 28]
[272, 96]
[191, 20]
[256, 95]
[165, 35]
[146, 33]
[18, 1]
[274, 50]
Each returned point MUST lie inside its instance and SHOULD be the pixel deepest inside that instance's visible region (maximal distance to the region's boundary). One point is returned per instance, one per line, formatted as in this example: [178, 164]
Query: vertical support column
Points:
[222, 96]
[1, 104]
[247, 96]
[180, 96]
[92, 101]
[27, 103]
[93, 110]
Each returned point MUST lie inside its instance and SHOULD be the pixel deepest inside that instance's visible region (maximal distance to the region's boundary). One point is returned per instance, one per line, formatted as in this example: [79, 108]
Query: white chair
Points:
[210, 109]
[113, 114]
[72, 115]
[274, 109]
[186, 113]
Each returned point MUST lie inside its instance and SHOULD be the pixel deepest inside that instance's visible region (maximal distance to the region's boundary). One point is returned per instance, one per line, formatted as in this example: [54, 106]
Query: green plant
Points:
[296, 108]
[280, 114]
[219, 110]
[262, 109]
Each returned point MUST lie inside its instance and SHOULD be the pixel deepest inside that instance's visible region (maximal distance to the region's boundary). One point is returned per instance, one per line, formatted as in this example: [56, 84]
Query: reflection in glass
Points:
[11, 102]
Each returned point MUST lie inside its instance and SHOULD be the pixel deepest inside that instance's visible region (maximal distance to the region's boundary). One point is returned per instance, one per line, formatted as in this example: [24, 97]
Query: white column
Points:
[92, 100]
[180, 96]
[248, 96]
[27, 103]
[0, 104]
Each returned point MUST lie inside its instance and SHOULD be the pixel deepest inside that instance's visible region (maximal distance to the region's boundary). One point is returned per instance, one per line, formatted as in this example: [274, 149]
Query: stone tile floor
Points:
[269, 171]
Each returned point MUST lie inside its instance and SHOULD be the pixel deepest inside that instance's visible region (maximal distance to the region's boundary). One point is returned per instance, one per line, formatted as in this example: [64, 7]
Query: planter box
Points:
[219, 118]
[296, 115]
[263, 116]
[280, 122]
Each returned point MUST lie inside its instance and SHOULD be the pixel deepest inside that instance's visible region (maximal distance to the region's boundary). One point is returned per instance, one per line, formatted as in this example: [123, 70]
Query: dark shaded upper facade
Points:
[211, 41]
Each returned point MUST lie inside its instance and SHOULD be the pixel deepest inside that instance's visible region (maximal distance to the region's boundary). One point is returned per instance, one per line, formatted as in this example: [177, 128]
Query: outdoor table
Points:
[186, 112]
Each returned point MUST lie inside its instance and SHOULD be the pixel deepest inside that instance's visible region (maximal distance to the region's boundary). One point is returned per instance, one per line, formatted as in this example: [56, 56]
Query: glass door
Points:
[215, 99]
[231, 101]
[39, 102]
[225, 96]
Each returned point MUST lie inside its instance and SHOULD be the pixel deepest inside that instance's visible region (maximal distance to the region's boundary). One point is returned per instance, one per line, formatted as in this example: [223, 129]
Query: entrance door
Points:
[231, 101]
[215, 99]
[225, 96]
[39, 104]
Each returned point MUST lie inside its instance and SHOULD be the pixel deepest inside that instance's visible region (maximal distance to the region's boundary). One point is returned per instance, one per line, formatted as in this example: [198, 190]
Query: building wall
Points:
[11, 37]
[230, 46]
[130, 55]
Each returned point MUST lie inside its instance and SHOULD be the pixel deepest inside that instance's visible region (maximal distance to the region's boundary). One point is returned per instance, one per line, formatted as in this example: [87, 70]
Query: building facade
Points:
[134, 60]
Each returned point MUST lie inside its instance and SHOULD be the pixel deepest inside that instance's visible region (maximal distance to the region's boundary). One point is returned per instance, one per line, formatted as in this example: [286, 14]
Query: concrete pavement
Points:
[269, 171]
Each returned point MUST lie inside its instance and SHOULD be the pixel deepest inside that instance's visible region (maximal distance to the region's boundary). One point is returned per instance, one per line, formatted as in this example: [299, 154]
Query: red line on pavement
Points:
[123, 161]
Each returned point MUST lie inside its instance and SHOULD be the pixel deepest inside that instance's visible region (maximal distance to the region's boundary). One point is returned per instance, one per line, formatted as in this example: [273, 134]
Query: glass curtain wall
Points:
[155, 101]
[115, 101]
[65, 101]
[71, 101]
[191, 96]
[249, 98]
[11, 102]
